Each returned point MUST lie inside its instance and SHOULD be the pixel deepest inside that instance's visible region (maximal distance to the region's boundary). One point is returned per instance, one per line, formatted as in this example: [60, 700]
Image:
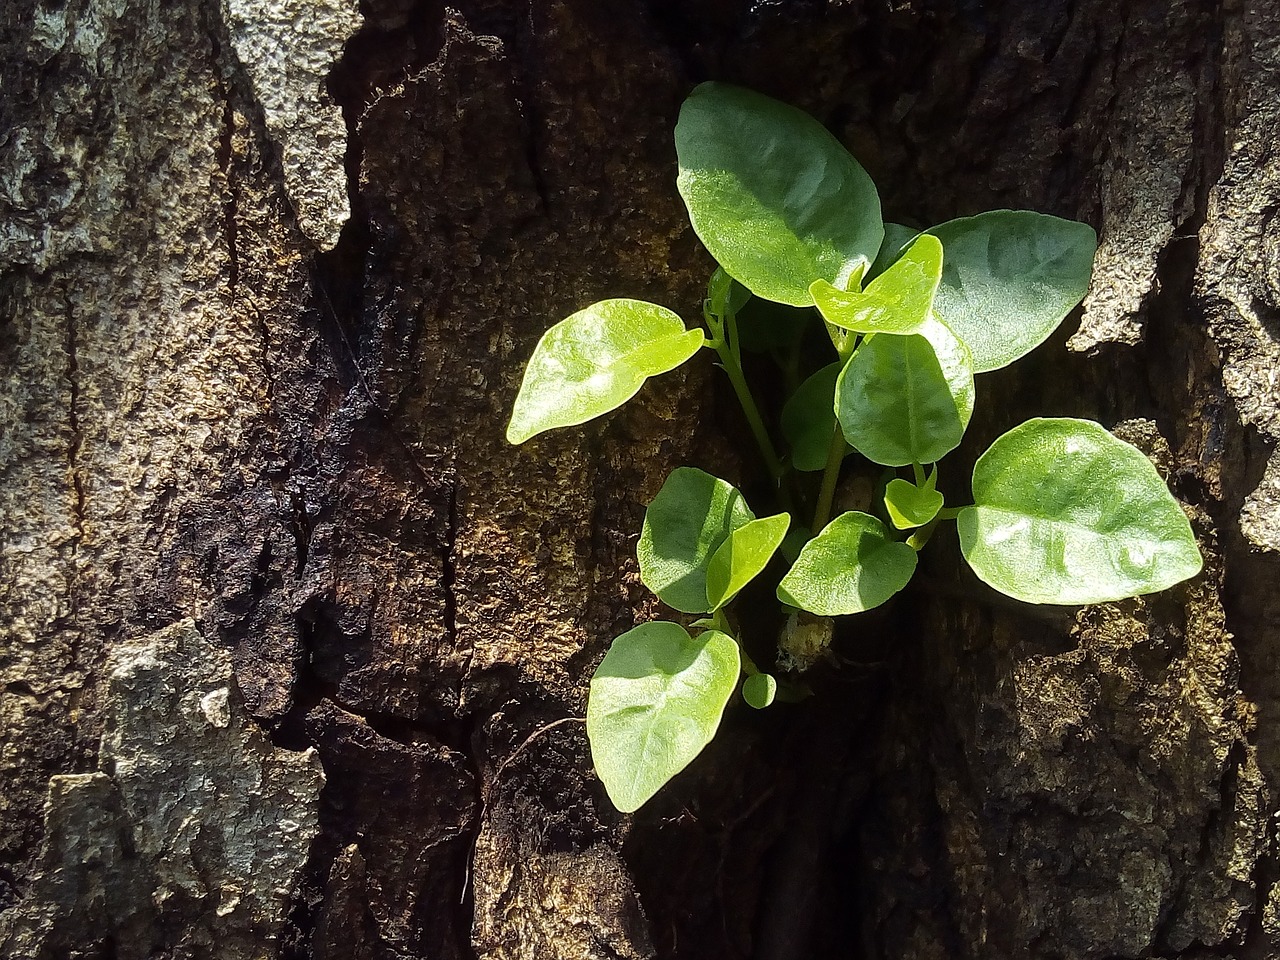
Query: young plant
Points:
[1062, 511]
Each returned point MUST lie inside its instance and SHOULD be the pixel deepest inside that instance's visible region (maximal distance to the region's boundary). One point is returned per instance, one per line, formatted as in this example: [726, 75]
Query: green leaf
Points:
[759, 689]
[595, 361]
[772, 194]
[725, 295]
[689, 519]
[744, 553]
[898, 301]
[910, 506]
[1066, 513]
[655, 701]
[896, 239]
[854, 564]
[906, 399]
[809, 420]
[1010, 278]
[768, 327]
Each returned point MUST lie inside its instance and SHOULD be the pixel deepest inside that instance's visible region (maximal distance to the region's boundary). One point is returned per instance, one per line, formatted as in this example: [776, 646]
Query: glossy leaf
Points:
[910, 506]
[853, 565]
[655, 701]
[1066, 513]
[906, 399]
[743, 555]
[898, 301]
[896, 239]
[686, 523]
[808, 419]
[1010, 278]
[759, 689]
[772, 194]
[595, 361]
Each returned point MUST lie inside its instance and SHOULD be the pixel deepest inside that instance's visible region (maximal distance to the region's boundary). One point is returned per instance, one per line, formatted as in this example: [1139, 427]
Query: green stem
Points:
[950, 513]
[727, 348]
[918, 471]
[827, 493]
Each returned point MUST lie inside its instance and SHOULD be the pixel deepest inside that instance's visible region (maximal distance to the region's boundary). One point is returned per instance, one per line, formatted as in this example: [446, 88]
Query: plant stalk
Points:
[831, 473]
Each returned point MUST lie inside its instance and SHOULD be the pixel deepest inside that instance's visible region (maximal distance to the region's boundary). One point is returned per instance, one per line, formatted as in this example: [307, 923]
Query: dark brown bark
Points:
[222, 431]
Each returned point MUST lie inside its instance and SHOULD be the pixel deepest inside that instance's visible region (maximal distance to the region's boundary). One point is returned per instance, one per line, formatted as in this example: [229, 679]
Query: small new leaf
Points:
[853, 565]
[686, 523]
[595, 361]
[900, 300]
[910, 506]
[759, 689]
[655, 701]
[1066, 513]
[743, 555]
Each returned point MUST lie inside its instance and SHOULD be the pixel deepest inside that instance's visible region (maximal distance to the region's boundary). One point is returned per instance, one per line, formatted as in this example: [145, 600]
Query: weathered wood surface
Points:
[268, 273]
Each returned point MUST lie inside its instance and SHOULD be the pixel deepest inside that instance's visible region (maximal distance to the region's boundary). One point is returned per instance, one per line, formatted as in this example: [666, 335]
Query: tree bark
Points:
[295, 645]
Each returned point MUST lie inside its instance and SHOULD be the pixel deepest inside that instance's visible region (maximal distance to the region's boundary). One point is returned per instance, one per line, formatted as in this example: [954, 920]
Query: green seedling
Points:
[1063, 512]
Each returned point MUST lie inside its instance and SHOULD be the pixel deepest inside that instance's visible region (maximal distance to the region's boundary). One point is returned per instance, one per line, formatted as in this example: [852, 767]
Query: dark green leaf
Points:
[809, 420]
[595, 361]
[1066, 513]
[689, 519]
[759, 689]
[851, 566]
[772, 194]
[743, 555]
[910, 506]
[725, 295]
[1010, 278]
[898, 301]
[655, 702]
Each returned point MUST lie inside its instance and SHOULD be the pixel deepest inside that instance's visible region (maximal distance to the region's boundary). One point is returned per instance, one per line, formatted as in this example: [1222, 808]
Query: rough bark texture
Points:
[268, 274]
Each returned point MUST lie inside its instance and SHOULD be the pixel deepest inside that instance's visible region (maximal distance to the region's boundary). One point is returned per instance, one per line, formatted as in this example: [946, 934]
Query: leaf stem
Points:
[730, 359]
[827, 493]
[918, 472]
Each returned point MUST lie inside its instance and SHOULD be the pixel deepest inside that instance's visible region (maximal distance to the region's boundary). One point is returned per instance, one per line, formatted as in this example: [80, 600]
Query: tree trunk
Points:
[295, 644]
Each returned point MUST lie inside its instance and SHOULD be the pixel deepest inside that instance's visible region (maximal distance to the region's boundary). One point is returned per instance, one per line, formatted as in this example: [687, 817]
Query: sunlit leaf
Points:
[897, 301]
[686, 523]
[1010, 278]
[595, 361]
[910, 506]
[896, 239]
[743, 555]
[772, 194]
[1066, 513]
[853, 565]
[906, 399]
[655, 701]
[759, 689]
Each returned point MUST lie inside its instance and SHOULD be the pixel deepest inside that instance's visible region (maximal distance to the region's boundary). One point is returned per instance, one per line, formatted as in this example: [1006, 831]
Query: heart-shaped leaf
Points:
[685, 525]
[655, 701]
[808, 419]
[772, 194]
[897, 301]
[910, 506]
[1010, 278]
[743, 555]
[759, 689]
[1066, 513]
[851, 566]
[595, 361]
[906, 399]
